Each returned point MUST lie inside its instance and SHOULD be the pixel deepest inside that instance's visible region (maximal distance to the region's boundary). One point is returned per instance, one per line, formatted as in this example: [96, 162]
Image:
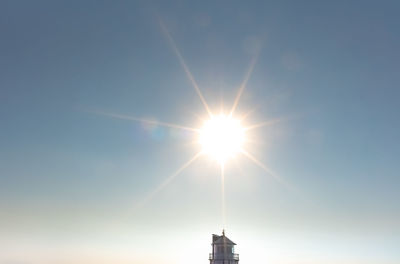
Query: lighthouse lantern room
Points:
[223, 250]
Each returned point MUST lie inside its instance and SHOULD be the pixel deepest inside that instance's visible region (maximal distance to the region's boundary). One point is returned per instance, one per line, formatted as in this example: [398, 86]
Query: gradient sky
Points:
[70, 179]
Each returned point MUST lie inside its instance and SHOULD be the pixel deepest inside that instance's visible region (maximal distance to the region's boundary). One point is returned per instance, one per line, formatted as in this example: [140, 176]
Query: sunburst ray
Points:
[167, 181]
[243, 85]
[245, 115]
[264, 124]
[185, 67]
[223, 208]
[152, 122]
[273, 121]
[266, 169]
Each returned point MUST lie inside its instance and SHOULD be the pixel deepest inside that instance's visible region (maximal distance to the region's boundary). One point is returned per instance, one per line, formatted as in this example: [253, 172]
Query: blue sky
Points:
[70, 178]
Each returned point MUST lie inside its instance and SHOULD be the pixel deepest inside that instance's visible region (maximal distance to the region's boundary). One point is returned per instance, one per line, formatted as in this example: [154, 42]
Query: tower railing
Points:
[221, 256]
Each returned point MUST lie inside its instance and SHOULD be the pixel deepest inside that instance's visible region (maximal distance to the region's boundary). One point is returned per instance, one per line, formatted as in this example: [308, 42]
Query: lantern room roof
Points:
[222, 240]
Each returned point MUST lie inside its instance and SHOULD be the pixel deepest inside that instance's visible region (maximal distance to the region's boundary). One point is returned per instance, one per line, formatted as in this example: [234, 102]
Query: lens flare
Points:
[222, 137]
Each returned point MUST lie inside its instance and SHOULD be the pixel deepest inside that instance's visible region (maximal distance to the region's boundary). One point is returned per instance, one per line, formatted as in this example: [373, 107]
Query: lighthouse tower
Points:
[223, 251]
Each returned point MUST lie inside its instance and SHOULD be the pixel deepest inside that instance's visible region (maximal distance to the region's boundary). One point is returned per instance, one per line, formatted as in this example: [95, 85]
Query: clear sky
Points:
[71, 178]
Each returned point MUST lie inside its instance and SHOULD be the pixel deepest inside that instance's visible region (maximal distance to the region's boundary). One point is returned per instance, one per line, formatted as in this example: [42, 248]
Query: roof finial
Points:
[223, 232]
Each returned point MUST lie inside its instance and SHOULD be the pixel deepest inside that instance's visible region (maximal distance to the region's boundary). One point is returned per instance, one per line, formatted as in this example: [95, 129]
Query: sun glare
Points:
[221, 137]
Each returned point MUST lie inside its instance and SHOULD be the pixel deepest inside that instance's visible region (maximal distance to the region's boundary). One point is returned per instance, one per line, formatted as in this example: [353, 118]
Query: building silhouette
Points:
[223, 250]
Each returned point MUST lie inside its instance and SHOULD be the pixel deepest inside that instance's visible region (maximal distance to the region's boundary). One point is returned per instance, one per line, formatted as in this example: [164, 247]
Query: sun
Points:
[221, 137]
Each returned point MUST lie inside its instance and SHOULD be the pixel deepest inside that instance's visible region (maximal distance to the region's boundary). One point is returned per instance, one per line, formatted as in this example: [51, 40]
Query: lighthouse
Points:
[223, 250]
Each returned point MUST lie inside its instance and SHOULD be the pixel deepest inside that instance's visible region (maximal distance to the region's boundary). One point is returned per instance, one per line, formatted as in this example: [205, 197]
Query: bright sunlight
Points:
[221, 137]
